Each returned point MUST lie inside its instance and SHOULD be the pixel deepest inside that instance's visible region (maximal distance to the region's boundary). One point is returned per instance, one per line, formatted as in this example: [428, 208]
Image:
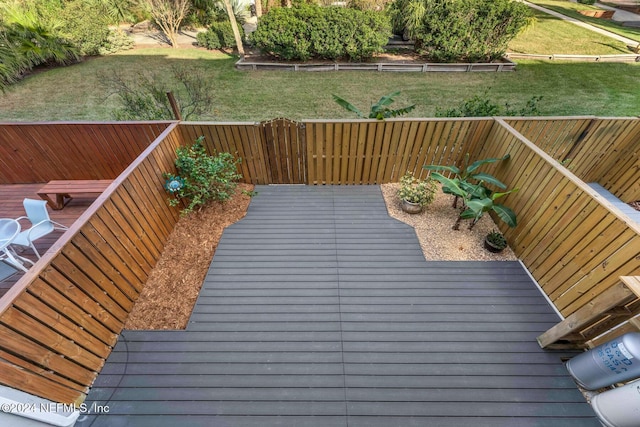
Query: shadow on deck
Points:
[11, 207]
[320, 310]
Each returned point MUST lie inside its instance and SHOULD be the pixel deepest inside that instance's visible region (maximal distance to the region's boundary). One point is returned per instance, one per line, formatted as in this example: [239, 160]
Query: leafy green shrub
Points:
[309, 31]
[201, 178]
[28, 40]
[87, 25]
[464, 30]
[482, 106]
[587, 1]
[117, 41]
[219, 35]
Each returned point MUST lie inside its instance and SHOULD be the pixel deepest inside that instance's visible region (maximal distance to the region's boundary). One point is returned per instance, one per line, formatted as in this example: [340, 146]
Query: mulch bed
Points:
[167, 300]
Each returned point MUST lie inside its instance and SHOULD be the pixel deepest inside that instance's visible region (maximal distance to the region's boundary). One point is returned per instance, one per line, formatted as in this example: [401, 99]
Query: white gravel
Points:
[437, 239]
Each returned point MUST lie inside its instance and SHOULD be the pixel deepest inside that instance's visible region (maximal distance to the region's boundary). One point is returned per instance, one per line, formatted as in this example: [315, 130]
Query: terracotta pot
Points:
[410, 207]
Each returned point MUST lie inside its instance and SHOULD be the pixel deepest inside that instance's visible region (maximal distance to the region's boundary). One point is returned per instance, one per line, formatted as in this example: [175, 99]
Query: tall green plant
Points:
[380, 110]
[470, 185]
[201, 177]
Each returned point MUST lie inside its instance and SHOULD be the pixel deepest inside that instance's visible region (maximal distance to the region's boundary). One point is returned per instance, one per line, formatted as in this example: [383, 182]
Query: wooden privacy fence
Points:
[42, 152]
[339, 152]
[600, 150]
[59, 322]
[570, 239]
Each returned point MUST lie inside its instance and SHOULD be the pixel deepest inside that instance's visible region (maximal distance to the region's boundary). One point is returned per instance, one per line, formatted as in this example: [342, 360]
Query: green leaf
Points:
[347, 105]
[451, 169]
[490, 179]
[505, 214]
[468, 214]
[480, 205]
[495, 196]
[386, 100]
[475, 165]
[451, 184]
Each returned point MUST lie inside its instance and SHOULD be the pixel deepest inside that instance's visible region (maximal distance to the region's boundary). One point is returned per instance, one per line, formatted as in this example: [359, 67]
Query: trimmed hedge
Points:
[309, 31]
[469, 30]
[219, 35]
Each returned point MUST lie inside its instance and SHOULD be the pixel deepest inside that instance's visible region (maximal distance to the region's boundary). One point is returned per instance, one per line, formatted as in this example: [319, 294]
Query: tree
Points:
[234, 26]
[168, 14]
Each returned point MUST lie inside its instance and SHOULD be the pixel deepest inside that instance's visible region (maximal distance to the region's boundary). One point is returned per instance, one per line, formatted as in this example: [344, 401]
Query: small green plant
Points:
[380, 110]
[482, 106]
[496, 240]
[201, 177]
[417, 191]
[471, 186]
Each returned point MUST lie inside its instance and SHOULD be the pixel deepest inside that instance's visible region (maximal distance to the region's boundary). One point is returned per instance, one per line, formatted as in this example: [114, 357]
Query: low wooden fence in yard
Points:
[60, 321]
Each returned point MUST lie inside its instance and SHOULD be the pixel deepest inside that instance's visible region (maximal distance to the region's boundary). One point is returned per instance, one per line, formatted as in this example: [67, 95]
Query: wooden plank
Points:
[62, 357]
[614, 296]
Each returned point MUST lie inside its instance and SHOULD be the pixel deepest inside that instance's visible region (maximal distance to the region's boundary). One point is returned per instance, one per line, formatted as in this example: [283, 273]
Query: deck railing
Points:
[59, 321]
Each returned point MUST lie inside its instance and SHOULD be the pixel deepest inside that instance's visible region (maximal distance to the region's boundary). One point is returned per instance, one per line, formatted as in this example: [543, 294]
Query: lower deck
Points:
[320, 310]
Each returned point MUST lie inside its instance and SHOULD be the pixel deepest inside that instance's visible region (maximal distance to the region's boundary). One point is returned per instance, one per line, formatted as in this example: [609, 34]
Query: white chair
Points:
[41, 224]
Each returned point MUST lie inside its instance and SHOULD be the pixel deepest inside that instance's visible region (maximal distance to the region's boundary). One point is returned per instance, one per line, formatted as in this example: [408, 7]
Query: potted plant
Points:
[415, 194]
[495, 242]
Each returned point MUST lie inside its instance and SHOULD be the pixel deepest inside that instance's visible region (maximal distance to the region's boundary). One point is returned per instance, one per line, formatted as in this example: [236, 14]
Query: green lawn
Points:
[602, 89]
[550, 35]
[570, 9]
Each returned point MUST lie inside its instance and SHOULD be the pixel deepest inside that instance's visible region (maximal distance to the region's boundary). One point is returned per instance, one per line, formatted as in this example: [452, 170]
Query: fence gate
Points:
[286, 151]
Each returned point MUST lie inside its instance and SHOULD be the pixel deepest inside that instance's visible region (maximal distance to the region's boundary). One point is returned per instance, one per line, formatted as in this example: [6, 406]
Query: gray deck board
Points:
[320, 310]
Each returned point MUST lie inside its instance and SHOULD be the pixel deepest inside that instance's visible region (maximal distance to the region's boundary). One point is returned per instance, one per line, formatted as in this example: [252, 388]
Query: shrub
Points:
[28, 40]
[219, 35]
[308, 31]
[202, 178]
[117, 41]
[465, 30]
[144, 97]
[587, 1]
[482, 106]
[86, 25]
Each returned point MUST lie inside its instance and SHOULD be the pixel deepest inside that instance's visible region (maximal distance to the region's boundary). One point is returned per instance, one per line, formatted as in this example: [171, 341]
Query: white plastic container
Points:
[612, 362]
[619, 407]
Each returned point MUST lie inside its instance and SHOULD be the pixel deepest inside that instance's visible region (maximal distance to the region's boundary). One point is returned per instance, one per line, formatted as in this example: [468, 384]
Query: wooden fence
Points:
[606, 151]
[47, 151]
[59, 322]
[571, 240]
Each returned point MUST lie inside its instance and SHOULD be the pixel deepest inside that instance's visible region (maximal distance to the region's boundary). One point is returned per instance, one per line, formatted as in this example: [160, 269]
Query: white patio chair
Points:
[41, 224]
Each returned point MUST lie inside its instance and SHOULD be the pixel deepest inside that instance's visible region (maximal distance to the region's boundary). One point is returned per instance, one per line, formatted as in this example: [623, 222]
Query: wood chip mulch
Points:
[173, 285]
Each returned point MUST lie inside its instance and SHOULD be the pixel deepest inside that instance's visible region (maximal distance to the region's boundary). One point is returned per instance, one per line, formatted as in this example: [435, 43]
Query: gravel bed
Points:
[433, 227]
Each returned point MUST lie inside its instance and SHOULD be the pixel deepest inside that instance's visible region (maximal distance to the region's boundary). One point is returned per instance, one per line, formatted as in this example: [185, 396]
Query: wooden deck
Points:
[320, 310]
[11, 207]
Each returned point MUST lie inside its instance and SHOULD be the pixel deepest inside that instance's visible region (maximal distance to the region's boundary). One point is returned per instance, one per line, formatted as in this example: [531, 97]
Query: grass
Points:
[75, 93]
[550, 35]
[570, 9]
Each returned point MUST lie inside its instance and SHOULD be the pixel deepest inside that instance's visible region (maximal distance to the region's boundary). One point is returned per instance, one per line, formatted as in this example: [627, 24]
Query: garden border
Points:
[504, 65]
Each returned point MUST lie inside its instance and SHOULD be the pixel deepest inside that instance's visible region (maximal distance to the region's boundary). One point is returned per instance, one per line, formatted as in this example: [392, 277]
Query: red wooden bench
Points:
[63, 190]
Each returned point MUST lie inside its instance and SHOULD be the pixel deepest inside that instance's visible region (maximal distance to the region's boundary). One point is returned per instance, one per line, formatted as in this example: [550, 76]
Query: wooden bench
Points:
[63, 190]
